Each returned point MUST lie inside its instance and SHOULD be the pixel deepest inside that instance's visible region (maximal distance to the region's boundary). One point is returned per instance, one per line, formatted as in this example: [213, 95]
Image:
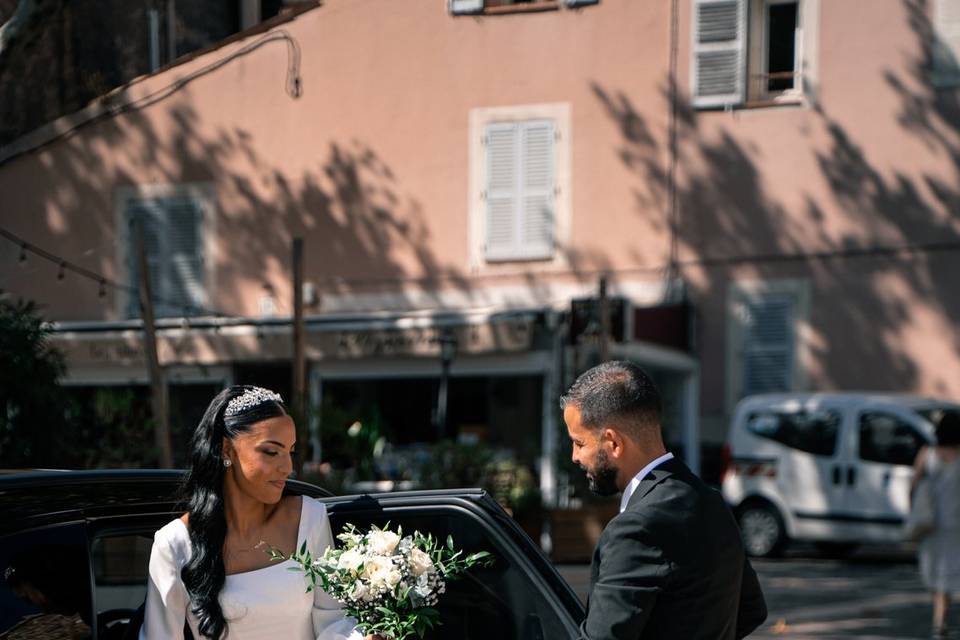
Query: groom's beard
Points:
[603, 476]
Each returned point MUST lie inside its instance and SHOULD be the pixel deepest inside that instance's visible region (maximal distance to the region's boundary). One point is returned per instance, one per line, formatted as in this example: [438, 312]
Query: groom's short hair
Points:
[618, 392]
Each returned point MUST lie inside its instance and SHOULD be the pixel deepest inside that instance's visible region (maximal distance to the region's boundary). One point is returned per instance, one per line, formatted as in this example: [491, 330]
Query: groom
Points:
[671, 564]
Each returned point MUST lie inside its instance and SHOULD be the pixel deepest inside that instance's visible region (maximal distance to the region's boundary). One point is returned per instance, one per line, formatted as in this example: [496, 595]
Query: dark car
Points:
[75, 545]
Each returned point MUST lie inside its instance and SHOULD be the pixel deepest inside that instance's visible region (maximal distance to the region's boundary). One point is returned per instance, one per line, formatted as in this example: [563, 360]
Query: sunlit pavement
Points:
[876, 593]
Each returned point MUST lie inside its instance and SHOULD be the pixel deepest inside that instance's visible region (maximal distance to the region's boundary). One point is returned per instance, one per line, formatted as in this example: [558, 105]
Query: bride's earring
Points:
[226, 462]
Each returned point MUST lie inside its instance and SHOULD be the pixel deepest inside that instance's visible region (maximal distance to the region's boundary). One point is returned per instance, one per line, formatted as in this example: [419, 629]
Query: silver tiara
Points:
[250, 399]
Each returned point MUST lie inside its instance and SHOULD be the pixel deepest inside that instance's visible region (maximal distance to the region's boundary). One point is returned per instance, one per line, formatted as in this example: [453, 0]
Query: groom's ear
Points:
[613, 440]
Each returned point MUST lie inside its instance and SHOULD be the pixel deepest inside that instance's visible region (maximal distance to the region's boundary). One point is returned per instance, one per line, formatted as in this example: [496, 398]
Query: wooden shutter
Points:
[719, 52]
[502, 192]
[537, 204]
[946, 44]
[173, 236]
[185, 282]
[768, 345]
[520, 190]
[145, 212]
[458, 7]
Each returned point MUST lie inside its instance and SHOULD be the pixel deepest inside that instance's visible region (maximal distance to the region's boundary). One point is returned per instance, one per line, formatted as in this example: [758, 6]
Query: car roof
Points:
[33, 498]
[877, 397]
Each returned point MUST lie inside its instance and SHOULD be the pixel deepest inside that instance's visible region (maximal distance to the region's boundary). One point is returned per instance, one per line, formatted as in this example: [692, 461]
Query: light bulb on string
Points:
[63, 271]
[23, 253]
[103, 289]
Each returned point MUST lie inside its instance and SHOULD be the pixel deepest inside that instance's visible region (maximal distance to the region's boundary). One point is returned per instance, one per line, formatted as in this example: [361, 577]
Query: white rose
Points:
[383, 542]
[381, 573]
[350, 561]
[420, 562]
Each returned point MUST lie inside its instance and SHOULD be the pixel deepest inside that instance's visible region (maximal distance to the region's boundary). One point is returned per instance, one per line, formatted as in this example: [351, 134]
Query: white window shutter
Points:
[147, 214]
[538, 197]
[719, 52]
[502, 194]
[459, 7]
[173, 238]
[185, 282]
[768, 345]
[946, 44]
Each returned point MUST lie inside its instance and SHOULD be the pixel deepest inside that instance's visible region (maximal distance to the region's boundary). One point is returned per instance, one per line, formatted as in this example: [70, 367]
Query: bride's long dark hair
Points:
[204, 575]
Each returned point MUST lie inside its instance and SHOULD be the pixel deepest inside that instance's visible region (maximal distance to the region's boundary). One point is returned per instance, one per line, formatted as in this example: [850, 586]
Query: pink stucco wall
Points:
[371, 166]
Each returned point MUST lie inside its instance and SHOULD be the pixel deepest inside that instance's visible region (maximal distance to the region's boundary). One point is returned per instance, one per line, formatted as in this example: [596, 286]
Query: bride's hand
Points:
[374, 637]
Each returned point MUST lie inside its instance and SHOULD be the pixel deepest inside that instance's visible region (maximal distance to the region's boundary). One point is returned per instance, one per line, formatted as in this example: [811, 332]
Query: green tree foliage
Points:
[33, 429]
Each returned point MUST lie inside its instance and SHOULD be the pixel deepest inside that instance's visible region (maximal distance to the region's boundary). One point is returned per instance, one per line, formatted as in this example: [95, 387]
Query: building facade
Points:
[767, 188]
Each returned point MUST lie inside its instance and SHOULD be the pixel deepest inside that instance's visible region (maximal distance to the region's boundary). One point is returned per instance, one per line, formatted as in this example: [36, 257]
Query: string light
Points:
[102, 282]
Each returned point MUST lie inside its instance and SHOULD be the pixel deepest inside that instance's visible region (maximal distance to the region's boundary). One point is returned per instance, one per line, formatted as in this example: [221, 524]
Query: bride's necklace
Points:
[234, 549]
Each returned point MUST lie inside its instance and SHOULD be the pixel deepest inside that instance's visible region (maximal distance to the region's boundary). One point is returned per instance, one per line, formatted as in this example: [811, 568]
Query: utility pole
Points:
[158, 382]
[299, 357]
[604, 310]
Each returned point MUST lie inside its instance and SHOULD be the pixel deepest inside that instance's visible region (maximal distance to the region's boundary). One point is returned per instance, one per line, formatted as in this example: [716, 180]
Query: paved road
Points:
[874, 594]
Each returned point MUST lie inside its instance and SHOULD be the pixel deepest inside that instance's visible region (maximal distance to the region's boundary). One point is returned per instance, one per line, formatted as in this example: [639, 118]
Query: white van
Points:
[832, 468]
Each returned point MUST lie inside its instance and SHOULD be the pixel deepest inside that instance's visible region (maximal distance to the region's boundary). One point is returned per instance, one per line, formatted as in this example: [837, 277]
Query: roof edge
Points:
[113, 102]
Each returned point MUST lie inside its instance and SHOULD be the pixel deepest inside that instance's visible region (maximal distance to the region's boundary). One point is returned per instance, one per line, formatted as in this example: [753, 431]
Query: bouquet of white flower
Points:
[387, 581]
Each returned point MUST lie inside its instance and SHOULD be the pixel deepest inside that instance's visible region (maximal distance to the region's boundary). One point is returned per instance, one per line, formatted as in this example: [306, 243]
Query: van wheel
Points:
[762, 531]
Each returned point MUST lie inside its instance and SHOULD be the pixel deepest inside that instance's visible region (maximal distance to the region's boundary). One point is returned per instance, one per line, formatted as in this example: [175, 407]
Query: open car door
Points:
[520, 597]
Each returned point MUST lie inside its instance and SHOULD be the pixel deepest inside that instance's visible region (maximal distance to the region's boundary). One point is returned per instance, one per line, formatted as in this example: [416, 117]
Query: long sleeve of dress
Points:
[329, 620]
[166, 602]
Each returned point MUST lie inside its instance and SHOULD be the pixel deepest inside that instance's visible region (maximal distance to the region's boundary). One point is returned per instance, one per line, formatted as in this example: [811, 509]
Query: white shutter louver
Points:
[173, 239]
[768, 345]
[719, 52]
[520, 190]
[946, 44]
[459, 7]
[185, 251]
[536, 233]
[503, 167]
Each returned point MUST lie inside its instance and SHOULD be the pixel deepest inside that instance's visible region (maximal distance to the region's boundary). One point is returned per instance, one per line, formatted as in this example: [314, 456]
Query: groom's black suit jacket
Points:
[672, 565]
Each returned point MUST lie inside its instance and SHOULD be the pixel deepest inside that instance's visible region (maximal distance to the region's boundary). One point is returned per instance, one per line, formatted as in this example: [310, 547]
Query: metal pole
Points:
[299, 357]
[604, 306]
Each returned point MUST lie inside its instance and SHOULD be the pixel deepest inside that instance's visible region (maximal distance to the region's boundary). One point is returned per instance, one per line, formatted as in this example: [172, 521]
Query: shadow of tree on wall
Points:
[882, 282]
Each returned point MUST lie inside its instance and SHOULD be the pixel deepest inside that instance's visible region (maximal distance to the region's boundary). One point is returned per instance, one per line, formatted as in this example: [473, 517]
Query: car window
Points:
[120, 570]
[886, 438]
[502, 601]
[813, 432]
[46, 584]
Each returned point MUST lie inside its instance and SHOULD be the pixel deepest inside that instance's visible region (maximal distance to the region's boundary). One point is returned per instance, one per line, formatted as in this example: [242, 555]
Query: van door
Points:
[886, 442]
[809, 452]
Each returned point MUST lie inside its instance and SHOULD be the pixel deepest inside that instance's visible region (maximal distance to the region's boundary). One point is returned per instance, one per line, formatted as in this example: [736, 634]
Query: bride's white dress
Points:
[266, 603]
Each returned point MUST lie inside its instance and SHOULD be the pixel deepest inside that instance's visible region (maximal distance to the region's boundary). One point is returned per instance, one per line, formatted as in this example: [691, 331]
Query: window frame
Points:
[203, 195]
[780, 414]
[744, 292]
[901, 420]
[754, 61]
[480, 118]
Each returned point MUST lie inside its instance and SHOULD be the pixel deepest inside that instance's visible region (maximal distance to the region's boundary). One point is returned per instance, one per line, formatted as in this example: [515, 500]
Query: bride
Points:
[210, 572]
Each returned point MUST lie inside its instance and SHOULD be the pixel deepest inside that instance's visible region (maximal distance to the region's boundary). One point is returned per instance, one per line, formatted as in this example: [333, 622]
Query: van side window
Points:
[814, 433]
[887, 439]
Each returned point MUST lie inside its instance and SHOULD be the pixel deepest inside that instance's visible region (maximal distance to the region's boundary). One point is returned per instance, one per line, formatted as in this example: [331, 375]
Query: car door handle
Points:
[836, 474]
[851, 476]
